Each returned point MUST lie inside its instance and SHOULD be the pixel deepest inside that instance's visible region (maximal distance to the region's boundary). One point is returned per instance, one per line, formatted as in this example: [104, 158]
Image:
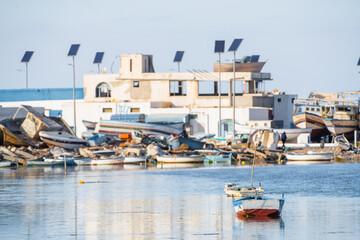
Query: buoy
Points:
[81, 182]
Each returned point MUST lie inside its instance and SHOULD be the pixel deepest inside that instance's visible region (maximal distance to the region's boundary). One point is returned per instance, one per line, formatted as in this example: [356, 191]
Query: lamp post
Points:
[72, 53]
[233, 48]
[26, 59]
[219, 48]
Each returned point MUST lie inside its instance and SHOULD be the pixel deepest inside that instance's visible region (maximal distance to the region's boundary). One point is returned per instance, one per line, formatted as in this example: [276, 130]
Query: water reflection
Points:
[258, 227]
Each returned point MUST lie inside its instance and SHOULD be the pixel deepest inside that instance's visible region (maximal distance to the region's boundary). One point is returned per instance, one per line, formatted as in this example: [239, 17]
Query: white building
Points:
[139, 89]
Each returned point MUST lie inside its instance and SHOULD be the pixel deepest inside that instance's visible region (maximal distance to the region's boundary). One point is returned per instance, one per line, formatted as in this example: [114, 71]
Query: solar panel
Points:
[27, 56]
[254, 58]
[73, 49]
[178, 56]
[359, 62]
[235, 44]
[219, 46]
[98, 57]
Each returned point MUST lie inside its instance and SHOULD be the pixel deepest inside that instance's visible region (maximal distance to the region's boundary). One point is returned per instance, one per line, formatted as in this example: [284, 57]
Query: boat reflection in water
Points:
[265, 227]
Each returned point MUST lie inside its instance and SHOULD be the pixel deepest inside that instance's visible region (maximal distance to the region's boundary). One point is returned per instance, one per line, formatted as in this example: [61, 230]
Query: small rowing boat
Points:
[258, 206]
[310, 156]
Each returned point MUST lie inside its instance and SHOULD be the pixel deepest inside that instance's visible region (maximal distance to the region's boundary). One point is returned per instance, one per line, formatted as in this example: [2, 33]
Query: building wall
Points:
[283, 108]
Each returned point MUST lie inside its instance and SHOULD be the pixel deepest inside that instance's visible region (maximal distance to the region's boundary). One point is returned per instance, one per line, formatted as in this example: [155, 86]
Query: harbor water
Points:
[176, 202]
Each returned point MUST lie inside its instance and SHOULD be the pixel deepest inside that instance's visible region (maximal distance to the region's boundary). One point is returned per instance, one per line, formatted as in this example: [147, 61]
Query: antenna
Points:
[178, 57]
[72, 53]
[98, 59]
[26, 59]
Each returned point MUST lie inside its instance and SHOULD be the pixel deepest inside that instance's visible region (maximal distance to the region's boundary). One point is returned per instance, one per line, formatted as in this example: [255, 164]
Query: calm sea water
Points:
[176, 202]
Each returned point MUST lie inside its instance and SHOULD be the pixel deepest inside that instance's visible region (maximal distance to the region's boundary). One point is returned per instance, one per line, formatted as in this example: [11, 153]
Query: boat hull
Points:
[110, 127]
[326, 156]
[62, 139]
[337, 126]
[107, 161]
[181, 159]
[135, 160]
[308, 120]
[258, 207]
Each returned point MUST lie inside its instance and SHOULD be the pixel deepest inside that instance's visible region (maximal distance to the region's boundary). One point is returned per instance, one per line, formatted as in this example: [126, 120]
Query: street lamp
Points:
[72, 53]
[233, 48]
[26, 59]
[219, 48]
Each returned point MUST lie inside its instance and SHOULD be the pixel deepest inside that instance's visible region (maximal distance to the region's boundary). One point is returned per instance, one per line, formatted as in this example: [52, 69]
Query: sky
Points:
[309, 45]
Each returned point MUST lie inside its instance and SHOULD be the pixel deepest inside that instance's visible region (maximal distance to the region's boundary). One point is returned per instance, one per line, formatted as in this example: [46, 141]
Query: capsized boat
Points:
[234, 190]
[310, 156]
[258, 206]
[62, 139]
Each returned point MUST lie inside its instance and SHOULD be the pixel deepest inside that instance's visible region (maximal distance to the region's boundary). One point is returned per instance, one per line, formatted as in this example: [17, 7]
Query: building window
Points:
[136, 84]
[279, 100]
[130, 65]
[103, 90]
[107, 110]
[292, 100]
[177, 88]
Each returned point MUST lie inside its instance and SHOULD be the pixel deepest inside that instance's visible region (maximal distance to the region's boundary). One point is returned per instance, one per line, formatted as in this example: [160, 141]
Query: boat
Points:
[291, 133]
[218, 158]
[234, 190]
[177, 141]
[181, 159]
[108, 160]
[309, 115]
[60, 160]
[90, 125]
[115, 127]
[135, 159]
[258, 206]
[310, 156]
[62, 139]
[337, 113]
[342, 143]
[5, 164]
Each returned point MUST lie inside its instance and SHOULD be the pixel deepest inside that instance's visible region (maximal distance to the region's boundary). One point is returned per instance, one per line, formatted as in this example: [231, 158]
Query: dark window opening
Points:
[136, 84]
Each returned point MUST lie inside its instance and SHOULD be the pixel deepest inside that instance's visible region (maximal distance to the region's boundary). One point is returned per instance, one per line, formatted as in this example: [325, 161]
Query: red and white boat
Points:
[258, 206]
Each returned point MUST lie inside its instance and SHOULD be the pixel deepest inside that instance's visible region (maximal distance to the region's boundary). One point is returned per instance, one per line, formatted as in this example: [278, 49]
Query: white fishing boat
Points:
[310, 156]
[218, 158]
[135, 159]
[234, 190]
[62, 139]
[108, 160]
[181, 159]
[5, 164]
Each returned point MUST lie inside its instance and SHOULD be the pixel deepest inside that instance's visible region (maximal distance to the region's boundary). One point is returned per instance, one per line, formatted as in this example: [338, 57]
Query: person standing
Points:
[283, 139]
